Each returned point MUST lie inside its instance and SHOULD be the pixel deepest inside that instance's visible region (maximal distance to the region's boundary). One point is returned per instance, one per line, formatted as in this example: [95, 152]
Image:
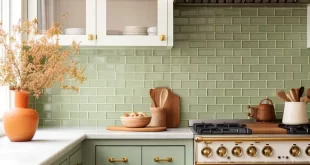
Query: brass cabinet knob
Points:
[162, 37]
[295, 151]
[91, 37]
[207, 151]
[236, 151]
[251, 151]
[267, 151]
[308, 151]
[168, 159]
[221, 151]
[111, 159]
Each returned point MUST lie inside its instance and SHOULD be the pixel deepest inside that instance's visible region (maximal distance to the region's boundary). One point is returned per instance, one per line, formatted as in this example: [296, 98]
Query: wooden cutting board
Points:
[172, 106]
[145, 129]
[265, 128]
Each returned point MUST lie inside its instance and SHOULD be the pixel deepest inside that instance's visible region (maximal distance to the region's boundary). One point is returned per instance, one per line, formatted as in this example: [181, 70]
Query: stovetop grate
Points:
[296, 129]
[221, 128]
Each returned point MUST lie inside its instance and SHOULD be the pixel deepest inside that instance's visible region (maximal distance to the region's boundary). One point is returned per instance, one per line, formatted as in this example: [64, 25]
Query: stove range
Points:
[229, 142]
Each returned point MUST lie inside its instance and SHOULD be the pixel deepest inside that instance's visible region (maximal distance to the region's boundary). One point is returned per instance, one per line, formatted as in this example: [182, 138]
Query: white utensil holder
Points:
[295, 113]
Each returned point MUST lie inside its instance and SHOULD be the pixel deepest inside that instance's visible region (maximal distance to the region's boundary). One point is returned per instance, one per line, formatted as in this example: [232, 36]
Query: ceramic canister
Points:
[295, 113]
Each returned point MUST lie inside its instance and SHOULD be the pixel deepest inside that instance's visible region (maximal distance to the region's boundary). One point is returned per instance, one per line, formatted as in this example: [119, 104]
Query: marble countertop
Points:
[49, 144]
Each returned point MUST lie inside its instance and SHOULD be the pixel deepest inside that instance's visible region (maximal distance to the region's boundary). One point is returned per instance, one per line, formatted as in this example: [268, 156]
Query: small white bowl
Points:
[75, 31]
[152, 34]
[152, 30]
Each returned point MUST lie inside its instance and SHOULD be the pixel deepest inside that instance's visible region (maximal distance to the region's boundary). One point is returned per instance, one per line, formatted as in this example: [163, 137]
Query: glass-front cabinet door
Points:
[76, 17]
[132, 22]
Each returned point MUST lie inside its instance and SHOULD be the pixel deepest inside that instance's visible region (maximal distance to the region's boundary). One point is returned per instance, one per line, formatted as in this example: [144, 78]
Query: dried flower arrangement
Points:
[38, 62]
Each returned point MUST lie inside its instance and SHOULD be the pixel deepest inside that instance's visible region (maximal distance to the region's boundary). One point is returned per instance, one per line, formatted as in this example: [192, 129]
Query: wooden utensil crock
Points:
[158, 117]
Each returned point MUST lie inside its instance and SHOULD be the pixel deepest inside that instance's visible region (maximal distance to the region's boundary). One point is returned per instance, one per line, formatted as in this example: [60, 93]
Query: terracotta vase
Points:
[21, 122]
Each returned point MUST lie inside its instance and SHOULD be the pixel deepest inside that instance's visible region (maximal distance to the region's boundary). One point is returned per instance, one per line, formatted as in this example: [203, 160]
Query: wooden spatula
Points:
[289, 97]
[163, 97]
[293, 95]
[282, 95]
[152, 95]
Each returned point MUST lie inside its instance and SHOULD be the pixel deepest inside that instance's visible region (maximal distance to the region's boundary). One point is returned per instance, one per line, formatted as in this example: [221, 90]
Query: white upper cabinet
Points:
[107, 22]
[77, 18]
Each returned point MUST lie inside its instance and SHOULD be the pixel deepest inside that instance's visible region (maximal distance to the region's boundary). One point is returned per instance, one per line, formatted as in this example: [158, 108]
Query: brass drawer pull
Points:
[162, 37]
[156, 159]
[111, 159]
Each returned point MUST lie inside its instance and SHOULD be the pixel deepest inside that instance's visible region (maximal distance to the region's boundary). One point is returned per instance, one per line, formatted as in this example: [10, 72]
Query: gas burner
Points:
[296, 129]
[220, 128]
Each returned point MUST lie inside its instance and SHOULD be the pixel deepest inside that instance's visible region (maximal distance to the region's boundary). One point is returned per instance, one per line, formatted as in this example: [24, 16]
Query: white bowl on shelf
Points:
[152, 34]
[152, 30]
[75, 31]
[135, 30]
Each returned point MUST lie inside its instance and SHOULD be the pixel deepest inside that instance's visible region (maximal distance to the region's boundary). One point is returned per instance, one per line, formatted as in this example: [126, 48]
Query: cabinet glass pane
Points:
[70, 14]
[132, 17]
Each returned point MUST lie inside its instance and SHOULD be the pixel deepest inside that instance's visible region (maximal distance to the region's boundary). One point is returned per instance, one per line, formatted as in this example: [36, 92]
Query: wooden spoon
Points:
[152, 95]
[308, 93]
[296, 94]
[293, 95]
[301, 92]
[163, 97]
[289, 97]
[281, 95]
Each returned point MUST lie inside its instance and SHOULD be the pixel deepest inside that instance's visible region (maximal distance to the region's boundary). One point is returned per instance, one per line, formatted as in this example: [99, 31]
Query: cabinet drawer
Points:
[163, 153]
[76, 158]
[64, 162]
[118, 153]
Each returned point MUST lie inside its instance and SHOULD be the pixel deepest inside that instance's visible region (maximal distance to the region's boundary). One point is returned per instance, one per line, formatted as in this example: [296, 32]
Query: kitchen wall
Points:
[224, 59]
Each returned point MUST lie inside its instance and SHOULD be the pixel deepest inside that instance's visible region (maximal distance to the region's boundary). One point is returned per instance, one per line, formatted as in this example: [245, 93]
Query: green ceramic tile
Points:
[274, 52]
[125, 76]
[187, 100]
[61, 99]
[241, 20]
[241, 52]
[258, 20]
[152, 60]
[215, 108]
[283, 28]
[299, 12]
[215, 44]
[123, 92]
[188, 12]
[266, 28]
[188, 68]
[197, 36]
[233, 60]
[161, 68]
[275, 84]
[266, 12]
[249, 28]
[125, 52]
[241, 100]
[197, 108]
[283, 44]
[249, 44]
[292, 68]
[105, 123]
[197, 44]
[255, 100]
[132, 99]
[284, 76]
[292, 36]
[134, 84]
[154, 76]
[96, 99]
[243, 84]
[300, 60]
[258, 36]
[304, 52]
[299, 28]
[188, 28]
[97, 115]
[275, 20]
[241, 68]
[232, 44]
[223, 100]
[250, 76]
[69, 123]
[267, 92]
[240, 116]
[106, 91]
[179, 76]
[197, 76]
[266, 60]
[249, 60]
[232, 28]
[88, 123]
[206, 84]
[223, 36]
[232, 92]
[258, 68]
[267, 44]
[241, 36]
[208, 115]
[188, 115]
[275, 36]
[291, 52]
[88, 107]
[258, 52]
[291, 20]
[232, 12]
[210, 20]
[105, 107]
[224, 52]
[180, 60]
[215, 60]
[303, 20]
[258, 84]
[292, 83]
[69, 107]
[60, 115]
[78, 115]
[300, 76]
[224, 68]
[215, 92]
[267, 76]
[142, 52]
[232, 76]
[197, 92]
[305, 83]
[215, 76]
[105, 67]
[198, 60]
[51, 123]
[299, 44]
[206, 52]
[275, 68]
[283, 12]
[196, 21]
[249, 12]
[224, 84]
[189, 84]
[222, 20]
[283, 60]
[250, 92]
[206, 28]
[181, 44]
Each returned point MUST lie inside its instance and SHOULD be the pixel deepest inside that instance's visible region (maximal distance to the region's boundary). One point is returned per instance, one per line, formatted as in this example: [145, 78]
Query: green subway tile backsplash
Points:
[223, 59]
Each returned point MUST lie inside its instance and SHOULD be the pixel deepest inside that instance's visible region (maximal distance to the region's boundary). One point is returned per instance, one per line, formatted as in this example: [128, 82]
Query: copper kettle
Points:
[263, 112]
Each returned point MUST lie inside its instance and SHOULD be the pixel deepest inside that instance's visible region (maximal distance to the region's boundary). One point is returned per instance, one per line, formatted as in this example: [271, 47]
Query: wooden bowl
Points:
[135, 122]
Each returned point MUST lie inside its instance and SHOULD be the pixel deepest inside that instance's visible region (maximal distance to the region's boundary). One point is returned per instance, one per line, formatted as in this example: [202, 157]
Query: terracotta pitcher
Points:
[263, 112]
[21, 122]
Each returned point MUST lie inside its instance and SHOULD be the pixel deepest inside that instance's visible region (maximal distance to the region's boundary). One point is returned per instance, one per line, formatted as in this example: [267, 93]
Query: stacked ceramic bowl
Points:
[134, 30]
[75, 31]
[152, 31]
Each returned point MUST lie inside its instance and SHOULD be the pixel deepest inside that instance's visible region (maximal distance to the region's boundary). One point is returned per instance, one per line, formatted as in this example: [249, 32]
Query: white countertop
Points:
[49, 144]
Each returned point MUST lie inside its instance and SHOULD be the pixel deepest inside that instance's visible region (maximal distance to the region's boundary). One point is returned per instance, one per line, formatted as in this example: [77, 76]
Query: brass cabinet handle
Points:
[111, 159]
[162, 37]
[90, 37]
[156, 159]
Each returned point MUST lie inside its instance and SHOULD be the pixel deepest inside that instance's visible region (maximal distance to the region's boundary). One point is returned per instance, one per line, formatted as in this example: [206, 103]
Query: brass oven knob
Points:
[251, 151]
[295, 151]
[236, 151]
[308, 151]
[207, 151]
[267, 151]
[221, 151]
